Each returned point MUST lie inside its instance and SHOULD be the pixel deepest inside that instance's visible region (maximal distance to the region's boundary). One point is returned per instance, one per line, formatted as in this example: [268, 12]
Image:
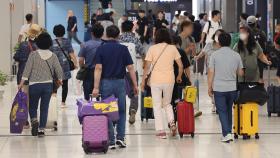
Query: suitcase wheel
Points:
[257, 136]
[192, 135]
[269, 114]
[278, 114]
[105, 150]
[245, 137]
[55, 123]
[181, 135]
[235, 136]
[55, 128]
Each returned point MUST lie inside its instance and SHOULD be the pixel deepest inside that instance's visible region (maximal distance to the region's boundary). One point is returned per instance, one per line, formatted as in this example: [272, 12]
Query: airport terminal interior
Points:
[201, 117]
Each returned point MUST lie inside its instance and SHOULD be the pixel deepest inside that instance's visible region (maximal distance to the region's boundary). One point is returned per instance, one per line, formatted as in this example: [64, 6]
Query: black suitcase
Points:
[273, 103]
[146, 113]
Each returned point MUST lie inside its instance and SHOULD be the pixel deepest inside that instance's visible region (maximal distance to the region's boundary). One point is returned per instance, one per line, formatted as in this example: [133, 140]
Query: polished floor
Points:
[141, 140]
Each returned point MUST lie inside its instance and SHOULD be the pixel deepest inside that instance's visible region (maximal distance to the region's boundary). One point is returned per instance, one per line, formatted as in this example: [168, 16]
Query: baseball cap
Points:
[251, 20]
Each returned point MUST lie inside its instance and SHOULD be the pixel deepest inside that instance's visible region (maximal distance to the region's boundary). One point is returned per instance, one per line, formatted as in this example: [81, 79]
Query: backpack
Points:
[210, 25]
[197, 30]
[260, 38]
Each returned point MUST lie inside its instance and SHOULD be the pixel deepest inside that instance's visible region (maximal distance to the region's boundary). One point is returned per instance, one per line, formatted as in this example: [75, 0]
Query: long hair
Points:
[251, 41]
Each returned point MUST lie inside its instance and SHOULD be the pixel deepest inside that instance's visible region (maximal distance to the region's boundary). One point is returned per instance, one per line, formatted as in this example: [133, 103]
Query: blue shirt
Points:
[88, 51]
[114, 58]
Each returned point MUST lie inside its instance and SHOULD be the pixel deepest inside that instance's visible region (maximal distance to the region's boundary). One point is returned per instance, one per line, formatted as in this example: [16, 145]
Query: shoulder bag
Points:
[71, 63]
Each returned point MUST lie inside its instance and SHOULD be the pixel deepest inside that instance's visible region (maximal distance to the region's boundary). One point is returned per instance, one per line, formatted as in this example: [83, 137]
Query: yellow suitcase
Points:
[148, 102]
[246, 121]
[190, 94]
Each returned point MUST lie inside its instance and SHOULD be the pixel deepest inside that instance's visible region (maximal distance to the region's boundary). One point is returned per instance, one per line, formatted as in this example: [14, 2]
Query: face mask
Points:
[216, 39]
[243, 36]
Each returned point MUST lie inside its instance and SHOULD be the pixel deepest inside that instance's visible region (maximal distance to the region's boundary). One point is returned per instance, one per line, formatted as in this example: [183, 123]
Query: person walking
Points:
[72, 27]
[142, 22]
[162, 56]
[250, 52]
[87, 58]
[42, 71]
[112, 60]
[223, 67]
[160, 23]
[211, 27]
[63, 49]
[24, 28]
[127, 38]
[207, 51]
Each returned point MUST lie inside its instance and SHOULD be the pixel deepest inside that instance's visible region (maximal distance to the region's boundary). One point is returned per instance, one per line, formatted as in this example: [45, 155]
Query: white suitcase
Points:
[52, 115]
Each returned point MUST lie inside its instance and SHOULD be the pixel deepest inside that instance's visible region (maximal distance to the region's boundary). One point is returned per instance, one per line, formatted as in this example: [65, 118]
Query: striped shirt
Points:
[38, 71]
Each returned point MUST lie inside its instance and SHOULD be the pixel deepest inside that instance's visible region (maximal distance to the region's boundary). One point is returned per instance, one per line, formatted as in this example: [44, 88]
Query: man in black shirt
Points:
[72, 27]
[161, 22]
[142, 23]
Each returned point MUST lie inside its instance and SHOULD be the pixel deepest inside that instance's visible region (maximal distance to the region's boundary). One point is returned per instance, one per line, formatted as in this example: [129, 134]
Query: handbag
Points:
[82, 73]
[71, 63]
[151, 70]
[56, 85]
[251, 92]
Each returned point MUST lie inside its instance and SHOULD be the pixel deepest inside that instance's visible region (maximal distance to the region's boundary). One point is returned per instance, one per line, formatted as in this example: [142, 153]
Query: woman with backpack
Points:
[250, 51]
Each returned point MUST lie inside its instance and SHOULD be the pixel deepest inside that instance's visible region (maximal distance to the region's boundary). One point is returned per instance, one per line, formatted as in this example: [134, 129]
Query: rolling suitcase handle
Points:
[269, 77]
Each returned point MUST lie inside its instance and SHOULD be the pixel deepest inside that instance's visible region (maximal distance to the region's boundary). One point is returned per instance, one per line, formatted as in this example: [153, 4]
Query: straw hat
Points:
[34, 31]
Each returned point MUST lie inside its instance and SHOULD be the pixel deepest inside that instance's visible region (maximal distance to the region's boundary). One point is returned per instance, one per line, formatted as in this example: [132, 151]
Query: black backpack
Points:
[210, 25]
[260, 37]
[197, 31]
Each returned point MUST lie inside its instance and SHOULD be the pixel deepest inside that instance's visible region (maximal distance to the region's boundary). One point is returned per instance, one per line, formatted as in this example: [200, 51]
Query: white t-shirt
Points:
[23, 30]
[214, 27]
[132, 50]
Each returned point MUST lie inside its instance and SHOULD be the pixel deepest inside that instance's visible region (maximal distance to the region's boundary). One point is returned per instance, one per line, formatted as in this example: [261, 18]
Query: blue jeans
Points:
[43, 92]
[88, 84]
[224, 102]
[116, 88]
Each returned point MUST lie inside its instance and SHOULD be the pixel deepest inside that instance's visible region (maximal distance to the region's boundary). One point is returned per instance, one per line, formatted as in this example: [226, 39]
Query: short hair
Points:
[192, 18]
[186, 13]
[215, 13]
[97, 30]
[29, 17]
[141, 11]
[44, 41]
[244, 16]
[219, 30]
[201, 15]
[112, 31]
[225, 39]
[177, 40]
[59, 30]
[163, 35]
[127, 26]
[186, 23]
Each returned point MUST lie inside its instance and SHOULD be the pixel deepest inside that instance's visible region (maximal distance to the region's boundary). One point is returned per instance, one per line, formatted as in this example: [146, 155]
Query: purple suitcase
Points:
[95, 134]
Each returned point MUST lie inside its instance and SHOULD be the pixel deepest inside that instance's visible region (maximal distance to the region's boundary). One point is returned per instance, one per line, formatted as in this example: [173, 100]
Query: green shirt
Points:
[250, 63]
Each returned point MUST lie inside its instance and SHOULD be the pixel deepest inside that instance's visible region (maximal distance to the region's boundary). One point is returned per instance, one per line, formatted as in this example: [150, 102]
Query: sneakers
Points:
[121, 143]
[132, 117]
[112, 146]
[41, 133]
[26, 126]
[63, 105]
[214, 109]
[35, 126]
[162, 135]
[197, 114]
[228, 138]
[173, 128]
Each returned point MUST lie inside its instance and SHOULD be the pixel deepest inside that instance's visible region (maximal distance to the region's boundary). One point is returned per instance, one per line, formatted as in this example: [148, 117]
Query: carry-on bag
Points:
[146, 113]
[273, 103]
[95, 134]
[246, 120]
[108, 107]
[19, 113]
[52, 114]
[190, 94]
[185, 118]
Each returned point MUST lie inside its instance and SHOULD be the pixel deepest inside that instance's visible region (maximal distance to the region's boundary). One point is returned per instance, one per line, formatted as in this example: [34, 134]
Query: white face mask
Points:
[243, 36]
[216, 39]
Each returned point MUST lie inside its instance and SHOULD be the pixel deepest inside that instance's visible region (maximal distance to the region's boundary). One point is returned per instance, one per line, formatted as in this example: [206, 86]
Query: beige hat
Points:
[34, 31]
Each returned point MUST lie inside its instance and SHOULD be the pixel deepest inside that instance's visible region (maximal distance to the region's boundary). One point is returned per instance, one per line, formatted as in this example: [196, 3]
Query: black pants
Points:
[64, 90]
[74, 36]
